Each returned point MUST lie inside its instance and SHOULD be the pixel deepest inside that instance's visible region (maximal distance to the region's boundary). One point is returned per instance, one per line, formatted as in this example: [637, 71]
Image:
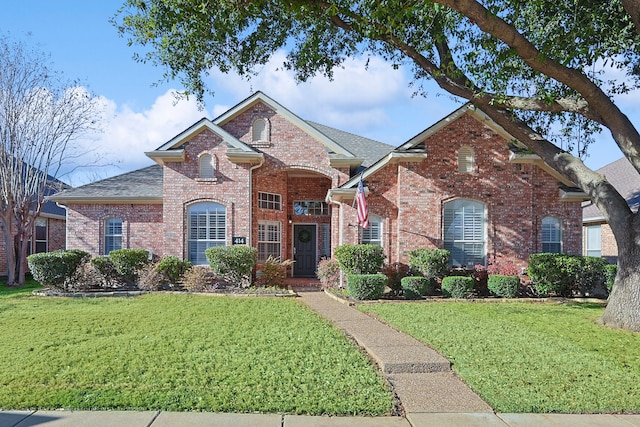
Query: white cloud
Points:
[128, 134]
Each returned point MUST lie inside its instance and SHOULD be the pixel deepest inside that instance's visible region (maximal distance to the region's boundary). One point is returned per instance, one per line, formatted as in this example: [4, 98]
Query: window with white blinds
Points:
[464, 232]
[551, 235]
[112, 235]
[207, 228]
[373, 234]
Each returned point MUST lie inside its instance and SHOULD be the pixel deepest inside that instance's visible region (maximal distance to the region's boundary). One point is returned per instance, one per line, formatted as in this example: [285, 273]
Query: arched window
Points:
[466, 159]
[373, 234]
[260, 131]
[207, 228]
[112, 235]
[551, 235]
[464, 232]
[207, 169]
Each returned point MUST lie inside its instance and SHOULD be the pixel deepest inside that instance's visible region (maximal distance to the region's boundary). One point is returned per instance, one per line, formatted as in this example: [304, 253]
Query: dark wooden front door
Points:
[304, 250]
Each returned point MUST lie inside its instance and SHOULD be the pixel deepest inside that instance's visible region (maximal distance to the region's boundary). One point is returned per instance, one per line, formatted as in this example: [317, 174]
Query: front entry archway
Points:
[304, 250]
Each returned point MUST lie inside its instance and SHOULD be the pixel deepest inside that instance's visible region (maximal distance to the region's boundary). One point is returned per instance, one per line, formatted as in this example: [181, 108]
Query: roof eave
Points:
[133, 200]
[573, 196]
[162, 157]
[244, 157]
[338, 161]
[534, 159]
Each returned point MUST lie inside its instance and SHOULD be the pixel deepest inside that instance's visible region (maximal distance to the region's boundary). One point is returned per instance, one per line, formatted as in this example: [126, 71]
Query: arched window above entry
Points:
[260, 130]
[206, 166]
[466, 159]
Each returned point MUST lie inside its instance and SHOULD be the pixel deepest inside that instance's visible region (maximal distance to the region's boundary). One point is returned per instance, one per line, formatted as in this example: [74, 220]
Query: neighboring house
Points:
[259, 175]
[598, 238]
[49, 230]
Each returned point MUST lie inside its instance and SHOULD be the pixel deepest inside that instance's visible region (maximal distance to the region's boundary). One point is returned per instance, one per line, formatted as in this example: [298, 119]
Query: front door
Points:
[304, 250]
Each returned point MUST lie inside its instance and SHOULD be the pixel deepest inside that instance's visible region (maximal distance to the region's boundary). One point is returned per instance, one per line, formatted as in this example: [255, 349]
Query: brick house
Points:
[260, 175]
[598, 238]
[49, 232]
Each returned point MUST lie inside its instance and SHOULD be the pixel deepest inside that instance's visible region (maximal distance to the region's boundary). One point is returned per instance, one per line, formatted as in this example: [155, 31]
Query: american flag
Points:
[363, 212]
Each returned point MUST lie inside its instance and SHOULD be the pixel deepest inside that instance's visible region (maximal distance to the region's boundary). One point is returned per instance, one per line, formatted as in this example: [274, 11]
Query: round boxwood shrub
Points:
[173, 268]
[233, 264]
[366, 286]
[504, 286]
[414, 287]
[457, 287]
[128, 262]
[56, 269]
[431, 263]
[360, 259]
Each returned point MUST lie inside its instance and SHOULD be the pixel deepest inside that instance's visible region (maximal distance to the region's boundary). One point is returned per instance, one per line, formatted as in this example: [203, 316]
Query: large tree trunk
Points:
[6, 221]
[623, 308]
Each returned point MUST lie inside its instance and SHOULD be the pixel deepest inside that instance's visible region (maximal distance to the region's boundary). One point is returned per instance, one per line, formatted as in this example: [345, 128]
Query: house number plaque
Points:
[239, 240]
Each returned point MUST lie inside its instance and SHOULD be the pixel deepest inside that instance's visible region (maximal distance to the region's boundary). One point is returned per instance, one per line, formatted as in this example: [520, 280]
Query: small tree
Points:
[40, 116]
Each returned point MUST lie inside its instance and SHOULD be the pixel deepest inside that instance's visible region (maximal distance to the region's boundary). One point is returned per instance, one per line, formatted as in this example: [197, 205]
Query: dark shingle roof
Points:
[143, 183]
[363, 148]
[622, 175]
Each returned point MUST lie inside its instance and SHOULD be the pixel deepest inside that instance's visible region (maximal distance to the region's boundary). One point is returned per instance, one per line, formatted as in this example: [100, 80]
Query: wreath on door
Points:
[304, 236]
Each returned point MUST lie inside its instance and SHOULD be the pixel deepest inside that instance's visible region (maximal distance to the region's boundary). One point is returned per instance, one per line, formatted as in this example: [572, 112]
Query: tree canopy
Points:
[531, 65]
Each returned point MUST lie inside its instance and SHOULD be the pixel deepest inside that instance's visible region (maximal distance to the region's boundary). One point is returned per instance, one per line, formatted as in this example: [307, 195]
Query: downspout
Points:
[251, 169]
[66, 223]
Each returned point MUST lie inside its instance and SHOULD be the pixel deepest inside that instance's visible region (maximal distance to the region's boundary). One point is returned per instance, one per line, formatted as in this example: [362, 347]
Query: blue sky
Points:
[376, 102]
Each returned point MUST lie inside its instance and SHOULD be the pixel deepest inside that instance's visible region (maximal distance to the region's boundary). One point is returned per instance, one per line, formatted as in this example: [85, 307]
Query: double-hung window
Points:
[551, 235]
[112, 235]
[269, 201]
[269, 239]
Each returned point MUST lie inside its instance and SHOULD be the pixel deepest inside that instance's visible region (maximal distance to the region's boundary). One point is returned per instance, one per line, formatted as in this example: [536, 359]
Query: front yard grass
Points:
[180, 352]
[524, 357]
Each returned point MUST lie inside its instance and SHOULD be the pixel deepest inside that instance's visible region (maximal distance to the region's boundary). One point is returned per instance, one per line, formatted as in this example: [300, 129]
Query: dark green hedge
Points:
[359, 259]
[504, 286]
[366, 286]
[457, 286]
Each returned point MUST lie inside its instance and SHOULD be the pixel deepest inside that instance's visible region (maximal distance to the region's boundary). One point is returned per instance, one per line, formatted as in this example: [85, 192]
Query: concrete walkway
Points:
[429, 392]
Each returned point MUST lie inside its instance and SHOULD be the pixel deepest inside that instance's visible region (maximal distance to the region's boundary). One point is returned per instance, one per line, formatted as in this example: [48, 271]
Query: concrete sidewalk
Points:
[197, 419]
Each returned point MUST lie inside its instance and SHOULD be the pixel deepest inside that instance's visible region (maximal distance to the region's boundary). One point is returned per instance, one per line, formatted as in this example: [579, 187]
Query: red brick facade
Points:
[296, 165]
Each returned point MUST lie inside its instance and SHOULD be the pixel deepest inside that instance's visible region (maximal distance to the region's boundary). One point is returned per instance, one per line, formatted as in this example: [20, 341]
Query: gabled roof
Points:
[623, 176]
[367, 149]
[172, 151]
[412, 151]
[140, 186]
[332, 146]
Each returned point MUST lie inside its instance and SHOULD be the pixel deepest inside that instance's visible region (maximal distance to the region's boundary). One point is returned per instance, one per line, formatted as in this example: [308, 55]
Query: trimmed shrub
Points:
[414, 287]
[395, 272]
[109, 276]
[611, 270]
[329, 273]
[360, 259]
[128, 262]
[274, 272]
[173, 268]
[56, 269]
[457, 286]
[431, 263]
[198, 278]
[504, 286]
[366, 286]
[233, 264]
[564, 275]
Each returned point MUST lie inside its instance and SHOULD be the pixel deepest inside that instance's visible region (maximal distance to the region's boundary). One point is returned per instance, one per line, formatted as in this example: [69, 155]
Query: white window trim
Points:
[265, 241]
[108, 235]
[373, 219]
[588, 248]
[463, 241]
[206, 208]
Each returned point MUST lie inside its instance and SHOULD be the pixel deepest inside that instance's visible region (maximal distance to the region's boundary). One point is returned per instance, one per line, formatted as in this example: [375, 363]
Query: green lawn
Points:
[180, 352]
[529, 357]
